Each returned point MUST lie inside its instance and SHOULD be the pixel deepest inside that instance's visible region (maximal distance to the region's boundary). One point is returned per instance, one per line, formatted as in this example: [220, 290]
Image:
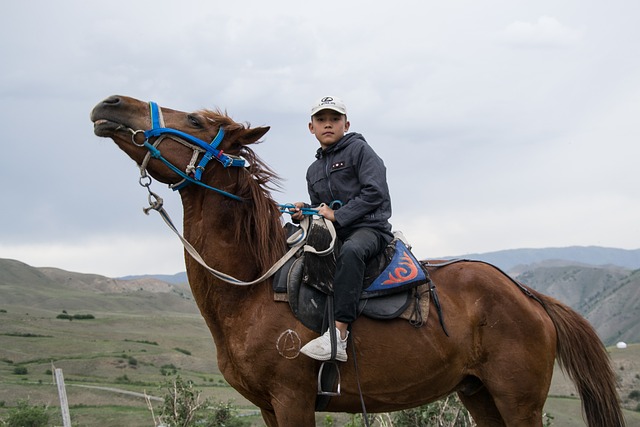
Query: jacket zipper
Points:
[328, 175]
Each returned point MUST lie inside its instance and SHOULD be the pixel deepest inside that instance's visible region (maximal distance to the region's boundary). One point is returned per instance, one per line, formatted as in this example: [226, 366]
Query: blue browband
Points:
[211, 148]
[211, 151]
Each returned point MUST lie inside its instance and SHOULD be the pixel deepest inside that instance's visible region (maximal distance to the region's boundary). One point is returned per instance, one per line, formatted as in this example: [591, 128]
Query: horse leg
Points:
[269, 418]
[517, 398]
[482, 408]
[288, 420]
[289, 415]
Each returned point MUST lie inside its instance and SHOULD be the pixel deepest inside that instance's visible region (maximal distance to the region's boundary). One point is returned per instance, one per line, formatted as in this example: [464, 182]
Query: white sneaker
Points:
[320, 348]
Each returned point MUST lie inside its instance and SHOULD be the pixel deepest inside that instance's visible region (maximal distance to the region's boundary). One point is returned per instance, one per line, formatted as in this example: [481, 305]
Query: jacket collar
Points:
[344, 141]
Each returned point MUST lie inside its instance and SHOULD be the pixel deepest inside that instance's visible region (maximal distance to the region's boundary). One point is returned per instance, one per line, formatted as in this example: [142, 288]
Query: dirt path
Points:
[117, 390]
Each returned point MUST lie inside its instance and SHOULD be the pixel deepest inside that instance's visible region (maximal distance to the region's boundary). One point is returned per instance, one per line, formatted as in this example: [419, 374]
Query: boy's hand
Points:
[326, 212]
[298, 213]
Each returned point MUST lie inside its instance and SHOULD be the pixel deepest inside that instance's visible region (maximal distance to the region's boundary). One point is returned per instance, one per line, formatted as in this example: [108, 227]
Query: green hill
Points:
[608, 297]
[144, 331]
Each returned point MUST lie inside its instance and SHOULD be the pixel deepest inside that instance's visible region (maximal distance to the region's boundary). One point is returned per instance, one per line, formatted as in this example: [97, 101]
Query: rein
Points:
[295, 242]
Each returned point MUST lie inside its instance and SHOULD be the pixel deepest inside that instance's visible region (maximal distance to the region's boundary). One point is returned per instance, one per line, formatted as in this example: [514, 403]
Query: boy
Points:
[348, 185]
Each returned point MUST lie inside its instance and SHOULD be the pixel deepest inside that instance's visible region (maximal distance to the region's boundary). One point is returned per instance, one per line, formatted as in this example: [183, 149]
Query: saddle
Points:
[396, 284]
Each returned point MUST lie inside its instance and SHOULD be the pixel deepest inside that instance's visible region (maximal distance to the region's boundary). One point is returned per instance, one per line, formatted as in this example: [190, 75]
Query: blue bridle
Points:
[210, 151]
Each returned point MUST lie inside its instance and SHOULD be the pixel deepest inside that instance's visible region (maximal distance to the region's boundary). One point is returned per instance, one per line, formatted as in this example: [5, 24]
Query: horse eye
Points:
[193, 120]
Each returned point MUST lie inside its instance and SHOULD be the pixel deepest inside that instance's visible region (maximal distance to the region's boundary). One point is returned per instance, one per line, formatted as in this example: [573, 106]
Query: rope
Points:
[296, 241]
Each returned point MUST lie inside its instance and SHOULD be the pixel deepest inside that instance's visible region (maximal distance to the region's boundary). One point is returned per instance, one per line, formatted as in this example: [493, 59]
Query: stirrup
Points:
[322, 392]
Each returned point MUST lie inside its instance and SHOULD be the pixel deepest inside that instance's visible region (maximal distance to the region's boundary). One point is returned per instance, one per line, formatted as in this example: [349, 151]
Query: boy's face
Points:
[328, 126]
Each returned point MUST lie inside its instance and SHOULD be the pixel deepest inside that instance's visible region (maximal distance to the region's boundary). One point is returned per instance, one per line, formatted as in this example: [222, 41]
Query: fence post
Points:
[62, 392]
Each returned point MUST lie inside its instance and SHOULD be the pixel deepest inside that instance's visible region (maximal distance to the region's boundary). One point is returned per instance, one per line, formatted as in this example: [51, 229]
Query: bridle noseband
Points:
[193, 173]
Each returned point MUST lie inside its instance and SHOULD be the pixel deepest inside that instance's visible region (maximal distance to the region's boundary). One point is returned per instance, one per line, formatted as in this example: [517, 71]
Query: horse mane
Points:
[260, 220]
[261, 225]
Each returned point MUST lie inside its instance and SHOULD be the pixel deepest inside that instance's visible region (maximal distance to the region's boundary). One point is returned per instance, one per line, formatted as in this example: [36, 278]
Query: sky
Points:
[503, 124]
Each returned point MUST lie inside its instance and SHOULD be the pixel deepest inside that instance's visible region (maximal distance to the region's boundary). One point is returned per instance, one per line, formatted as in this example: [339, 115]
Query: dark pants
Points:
[357, 248]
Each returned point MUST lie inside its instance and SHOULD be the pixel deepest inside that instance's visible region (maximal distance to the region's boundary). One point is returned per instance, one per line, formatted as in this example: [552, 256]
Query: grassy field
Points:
[115, 351]
[110, 361]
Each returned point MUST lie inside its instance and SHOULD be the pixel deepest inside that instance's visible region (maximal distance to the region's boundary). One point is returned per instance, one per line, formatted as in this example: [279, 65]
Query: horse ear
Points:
[252, 135]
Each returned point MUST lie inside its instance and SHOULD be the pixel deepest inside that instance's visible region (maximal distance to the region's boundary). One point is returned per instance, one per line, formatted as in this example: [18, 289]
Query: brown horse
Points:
[502, 343]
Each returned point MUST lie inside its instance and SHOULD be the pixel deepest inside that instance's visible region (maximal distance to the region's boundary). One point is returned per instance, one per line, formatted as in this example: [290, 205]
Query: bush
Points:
[84, 316]
[124, 379]
[182, 407]
[225, 415]
[167, 370]
[635, 395]
[20, 370]
[67, 316]
[445, 412]
[26, 415]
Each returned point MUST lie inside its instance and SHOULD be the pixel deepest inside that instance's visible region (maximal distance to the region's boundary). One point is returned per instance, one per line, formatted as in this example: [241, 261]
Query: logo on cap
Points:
[330, 103]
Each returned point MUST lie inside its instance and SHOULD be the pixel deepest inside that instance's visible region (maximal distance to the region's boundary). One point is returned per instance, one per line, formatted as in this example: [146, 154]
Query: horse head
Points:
[175, 147]
[204, 150]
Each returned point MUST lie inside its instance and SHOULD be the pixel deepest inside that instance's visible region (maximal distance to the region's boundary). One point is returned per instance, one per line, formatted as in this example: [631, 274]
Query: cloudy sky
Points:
[503, 123]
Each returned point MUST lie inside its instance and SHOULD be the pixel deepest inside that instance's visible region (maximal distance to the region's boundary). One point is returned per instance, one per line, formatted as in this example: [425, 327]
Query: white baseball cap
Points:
[329, 103]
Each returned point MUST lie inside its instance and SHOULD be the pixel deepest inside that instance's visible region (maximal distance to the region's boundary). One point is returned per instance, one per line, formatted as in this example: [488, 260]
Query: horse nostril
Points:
[112, 100]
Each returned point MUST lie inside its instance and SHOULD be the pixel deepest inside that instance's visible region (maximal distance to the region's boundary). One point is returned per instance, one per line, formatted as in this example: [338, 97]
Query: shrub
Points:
[84, 316]
[167, 370]
[635, 395]
[225, 415]
[183, 351]
[182, 407]
[67, 316]
[124, 379]
[26, 415]
[25, 335]
[142, 341]
[20, 370]
[445, 412]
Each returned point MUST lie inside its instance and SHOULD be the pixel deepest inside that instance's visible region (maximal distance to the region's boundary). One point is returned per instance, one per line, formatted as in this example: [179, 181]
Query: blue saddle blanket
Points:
[403, 271]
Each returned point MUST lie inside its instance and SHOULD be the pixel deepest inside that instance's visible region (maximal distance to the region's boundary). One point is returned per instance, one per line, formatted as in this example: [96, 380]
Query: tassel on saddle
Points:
[320, 265]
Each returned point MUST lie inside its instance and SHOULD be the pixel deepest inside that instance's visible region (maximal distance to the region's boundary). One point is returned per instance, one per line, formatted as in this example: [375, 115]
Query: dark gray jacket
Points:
[351, 172]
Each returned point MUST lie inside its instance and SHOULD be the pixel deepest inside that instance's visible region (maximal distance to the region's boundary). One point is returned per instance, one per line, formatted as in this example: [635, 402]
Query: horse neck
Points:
[211, 225]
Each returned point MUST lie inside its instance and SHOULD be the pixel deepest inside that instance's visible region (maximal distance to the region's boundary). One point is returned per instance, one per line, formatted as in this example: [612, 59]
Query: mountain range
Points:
[511, 259]
[602, 284]
[589, 255]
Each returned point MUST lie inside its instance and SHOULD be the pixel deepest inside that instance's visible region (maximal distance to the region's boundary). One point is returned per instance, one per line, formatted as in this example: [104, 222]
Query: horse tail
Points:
[583, 357]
